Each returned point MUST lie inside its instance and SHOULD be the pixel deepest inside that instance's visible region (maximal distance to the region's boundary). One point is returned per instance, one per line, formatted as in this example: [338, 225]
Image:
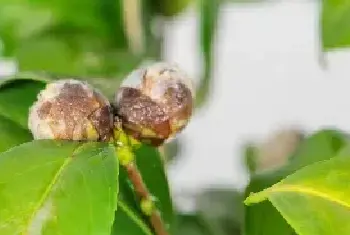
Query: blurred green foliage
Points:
[96, 39]
[335, 24]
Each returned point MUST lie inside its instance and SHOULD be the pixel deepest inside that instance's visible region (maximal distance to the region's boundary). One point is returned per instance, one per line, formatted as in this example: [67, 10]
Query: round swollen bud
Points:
[155, 103]
[71, 110]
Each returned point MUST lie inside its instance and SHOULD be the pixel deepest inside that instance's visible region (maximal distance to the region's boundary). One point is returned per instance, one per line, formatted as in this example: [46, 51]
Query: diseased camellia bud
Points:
[71, 110]
[155, 103]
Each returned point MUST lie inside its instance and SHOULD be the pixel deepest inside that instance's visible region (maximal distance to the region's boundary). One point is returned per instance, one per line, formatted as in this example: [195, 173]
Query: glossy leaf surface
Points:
[55, 187]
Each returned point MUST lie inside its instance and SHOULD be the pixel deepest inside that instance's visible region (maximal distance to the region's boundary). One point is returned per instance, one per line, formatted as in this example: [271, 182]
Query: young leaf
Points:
[152, 169]
[17, 96]
[314, 200]
[57, 187]
[322, 145]
[335, 24]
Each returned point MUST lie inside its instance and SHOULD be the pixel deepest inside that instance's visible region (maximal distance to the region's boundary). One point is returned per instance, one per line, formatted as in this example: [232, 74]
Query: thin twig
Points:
[127, 160]
[143, 194]
[136, 179]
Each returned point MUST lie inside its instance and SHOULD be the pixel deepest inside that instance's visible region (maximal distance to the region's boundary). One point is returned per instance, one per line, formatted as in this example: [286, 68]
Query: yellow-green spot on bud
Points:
[124, 139]
[125, 155]
[135, 143]
[178, 125]
[91, 132]
[121, 137]
[148, 132]
[147, 206]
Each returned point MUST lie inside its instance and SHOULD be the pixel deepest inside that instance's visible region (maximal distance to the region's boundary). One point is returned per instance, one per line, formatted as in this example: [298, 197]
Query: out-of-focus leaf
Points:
[209, 12]
[48, 54]
[250, 157]
[320, 146]
[169, 8]
[222, 210]
[112, 13]
[315, 199]
[17, 96]
[12, 134]
[58, 187]
[20, 21]
[171, 151]
[64, 40]
[152, 169]
[345, 151]
[191, 224]
[335, 23]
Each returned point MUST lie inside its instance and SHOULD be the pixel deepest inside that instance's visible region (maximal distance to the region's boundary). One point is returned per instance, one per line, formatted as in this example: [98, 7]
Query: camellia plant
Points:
[94, 167]
[84, 171]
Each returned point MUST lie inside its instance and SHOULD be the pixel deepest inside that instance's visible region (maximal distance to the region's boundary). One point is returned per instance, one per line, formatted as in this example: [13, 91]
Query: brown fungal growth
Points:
[71, 110]
[155, 103]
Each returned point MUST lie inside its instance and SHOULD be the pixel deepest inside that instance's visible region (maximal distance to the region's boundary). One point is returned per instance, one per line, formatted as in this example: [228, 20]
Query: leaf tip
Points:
[254, 198]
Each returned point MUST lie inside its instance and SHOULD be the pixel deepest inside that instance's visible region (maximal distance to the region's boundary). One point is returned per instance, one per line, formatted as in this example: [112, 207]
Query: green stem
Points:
[124, 147]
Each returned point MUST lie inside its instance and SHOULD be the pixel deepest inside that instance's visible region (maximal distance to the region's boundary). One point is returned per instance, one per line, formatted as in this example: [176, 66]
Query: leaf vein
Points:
[48, 190]
[289, 188]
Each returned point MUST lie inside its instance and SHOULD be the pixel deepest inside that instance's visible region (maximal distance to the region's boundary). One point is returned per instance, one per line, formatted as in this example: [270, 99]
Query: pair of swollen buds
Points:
[153, 104]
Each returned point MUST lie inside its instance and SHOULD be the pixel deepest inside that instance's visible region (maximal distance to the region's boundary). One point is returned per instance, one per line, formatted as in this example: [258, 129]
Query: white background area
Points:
[267, 75]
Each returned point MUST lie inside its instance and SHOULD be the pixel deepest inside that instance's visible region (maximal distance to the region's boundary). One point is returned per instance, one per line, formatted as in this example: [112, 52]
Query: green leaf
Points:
[320, 146]
[129, 221]
[58, 187]
[150, 164]
[152, 170]
[335, 23]
[209, 11]
[17, 96]
[12, 134]
[314, 200]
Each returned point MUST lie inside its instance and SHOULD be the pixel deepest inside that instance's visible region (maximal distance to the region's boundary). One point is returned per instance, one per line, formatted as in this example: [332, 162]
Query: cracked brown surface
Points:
[161, 104]
[73, 109]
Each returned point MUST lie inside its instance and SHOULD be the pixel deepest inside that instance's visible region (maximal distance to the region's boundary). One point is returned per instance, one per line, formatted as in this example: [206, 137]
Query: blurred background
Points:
[263, 79]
